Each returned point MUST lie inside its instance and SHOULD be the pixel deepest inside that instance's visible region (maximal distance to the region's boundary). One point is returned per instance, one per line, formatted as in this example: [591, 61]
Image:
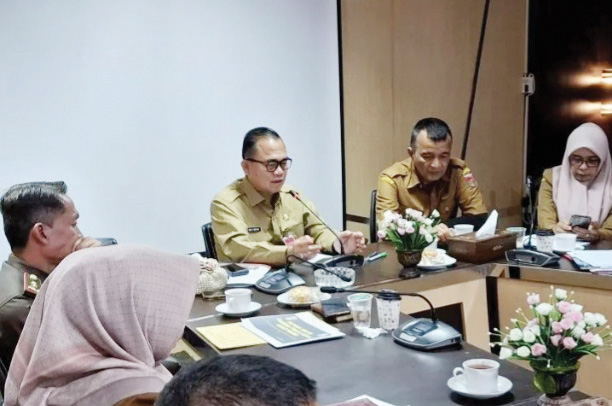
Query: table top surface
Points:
[353, 365]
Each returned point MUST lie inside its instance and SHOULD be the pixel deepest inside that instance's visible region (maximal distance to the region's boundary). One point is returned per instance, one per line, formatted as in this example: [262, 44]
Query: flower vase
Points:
[555, 382]
[409, 260]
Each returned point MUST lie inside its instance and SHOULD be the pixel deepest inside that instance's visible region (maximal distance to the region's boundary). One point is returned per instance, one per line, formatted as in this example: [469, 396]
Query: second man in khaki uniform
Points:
[429, 179]
[258, 219]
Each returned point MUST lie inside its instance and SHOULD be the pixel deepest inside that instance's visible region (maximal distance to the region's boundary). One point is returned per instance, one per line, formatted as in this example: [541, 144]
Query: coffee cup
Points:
[463, 228]
[565, 242]
[480, 375]
[238, 300]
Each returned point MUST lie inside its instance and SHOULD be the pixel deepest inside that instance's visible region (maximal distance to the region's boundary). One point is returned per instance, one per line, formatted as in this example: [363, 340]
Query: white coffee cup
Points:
[564, 242]
[238, 300]
[463, 228]
[480, 375]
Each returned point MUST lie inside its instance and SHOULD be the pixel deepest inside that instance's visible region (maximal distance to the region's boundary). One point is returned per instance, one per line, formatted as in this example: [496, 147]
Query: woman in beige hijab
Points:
[581, 185]
[100, 326]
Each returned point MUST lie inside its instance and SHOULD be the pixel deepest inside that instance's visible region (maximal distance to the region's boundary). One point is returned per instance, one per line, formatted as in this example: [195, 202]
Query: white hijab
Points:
[572, 197]
[101, 324]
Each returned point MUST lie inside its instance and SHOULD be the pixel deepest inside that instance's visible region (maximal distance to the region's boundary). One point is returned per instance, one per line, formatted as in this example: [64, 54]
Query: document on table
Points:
[594, 258]
[227, 336]
[284, 330]
[363, 400]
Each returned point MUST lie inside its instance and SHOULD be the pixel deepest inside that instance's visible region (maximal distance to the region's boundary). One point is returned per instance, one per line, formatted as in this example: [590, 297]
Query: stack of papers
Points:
[600, 261]
[227, 336]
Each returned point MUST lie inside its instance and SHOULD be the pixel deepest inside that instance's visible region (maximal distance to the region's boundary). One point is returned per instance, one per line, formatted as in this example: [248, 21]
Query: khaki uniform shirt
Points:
[248, 228]
[399, 188]
[547, 209]
[16, 298]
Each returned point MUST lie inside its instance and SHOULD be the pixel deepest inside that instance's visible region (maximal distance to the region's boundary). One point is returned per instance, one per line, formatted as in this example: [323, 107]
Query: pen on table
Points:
[375, 256]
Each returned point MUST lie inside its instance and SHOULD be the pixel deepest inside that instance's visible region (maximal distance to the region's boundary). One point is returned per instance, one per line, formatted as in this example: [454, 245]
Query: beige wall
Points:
[407, 59]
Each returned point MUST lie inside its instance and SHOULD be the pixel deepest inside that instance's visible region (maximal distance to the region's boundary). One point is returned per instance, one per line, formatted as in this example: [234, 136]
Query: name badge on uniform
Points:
[254, 229]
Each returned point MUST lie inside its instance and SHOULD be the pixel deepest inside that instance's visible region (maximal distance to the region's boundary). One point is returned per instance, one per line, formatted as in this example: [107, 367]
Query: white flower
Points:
[428, 221]
[523, 352]
[581, 324]
[575, 307]
[528, 336]
[515, 334]
[423, 231]
[544, 309]
[435, 213]
[505, 340]
[597, 340]
[577, 332]
[428, 238]
[388, 216]
[535, 329]
[561, 294]
[601, 319]
[590, 319]
[505, 353]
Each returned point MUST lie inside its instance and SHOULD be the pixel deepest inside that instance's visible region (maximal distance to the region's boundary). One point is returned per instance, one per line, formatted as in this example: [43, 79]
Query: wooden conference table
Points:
[469, 297]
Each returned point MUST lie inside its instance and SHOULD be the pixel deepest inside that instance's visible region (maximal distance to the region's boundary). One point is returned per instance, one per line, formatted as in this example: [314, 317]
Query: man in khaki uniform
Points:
[40, 223]
[430, 179]
[258, 219]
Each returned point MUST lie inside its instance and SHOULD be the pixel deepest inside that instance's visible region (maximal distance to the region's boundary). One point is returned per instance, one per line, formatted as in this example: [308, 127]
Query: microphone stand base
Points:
[410, 272]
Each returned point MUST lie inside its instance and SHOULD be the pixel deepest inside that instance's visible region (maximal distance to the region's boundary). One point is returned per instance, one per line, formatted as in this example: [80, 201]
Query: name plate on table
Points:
[468, 248]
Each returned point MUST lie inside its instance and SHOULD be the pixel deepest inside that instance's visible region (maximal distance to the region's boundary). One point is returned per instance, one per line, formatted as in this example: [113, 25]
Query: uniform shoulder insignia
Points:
[387, 179]
[31, 284]
[468, 176]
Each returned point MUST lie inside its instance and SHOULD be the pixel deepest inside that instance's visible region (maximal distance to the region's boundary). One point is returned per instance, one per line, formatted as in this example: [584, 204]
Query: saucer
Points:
[457, 384]
[223, 308]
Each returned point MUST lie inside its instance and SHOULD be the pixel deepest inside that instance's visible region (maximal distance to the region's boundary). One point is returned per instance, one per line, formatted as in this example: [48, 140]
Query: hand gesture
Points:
[443, 232]
[353, 242]
[562, 227]
[304, 248]
[591, 235]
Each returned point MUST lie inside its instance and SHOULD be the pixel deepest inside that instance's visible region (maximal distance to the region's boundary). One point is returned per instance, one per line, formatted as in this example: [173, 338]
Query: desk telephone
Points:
[529, 257]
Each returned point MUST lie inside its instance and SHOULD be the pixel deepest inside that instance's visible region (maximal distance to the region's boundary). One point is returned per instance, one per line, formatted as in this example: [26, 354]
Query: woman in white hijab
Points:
[581, 185]
[100, 326]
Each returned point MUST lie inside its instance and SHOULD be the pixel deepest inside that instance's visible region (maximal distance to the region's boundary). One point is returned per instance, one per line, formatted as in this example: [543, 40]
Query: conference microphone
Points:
[299, 199]
[386, 294]
[344, 278]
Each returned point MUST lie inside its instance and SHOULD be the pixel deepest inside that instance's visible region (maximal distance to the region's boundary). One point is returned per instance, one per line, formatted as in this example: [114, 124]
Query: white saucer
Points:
[448, 261]
[253, 307]
[457, 384]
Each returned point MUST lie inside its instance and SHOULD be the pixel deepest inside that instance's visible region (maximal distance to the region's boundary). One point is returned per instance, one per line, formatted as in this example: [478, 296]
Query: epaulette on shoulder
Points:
[31, 284]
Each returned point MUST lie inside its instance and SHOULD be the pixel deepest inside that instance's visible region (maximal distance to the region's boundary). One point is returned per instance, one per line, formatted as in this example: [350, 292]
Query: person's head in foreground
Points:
[101, 325]
[40, 223]
[239, 380]
[430, 148]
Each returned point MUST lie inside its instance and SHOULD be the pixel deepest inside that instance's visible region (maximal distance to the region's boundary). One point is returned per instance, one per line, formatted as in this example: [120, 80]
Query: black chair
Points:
[209, 240]
[3, 374]
[373, 226]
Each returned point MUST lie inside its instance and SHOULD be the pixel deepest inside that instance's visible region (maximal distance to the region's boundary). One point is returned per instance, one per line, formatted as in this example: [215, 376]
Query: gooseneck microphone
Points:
[323, 267]
[299, 199]
[331, 289]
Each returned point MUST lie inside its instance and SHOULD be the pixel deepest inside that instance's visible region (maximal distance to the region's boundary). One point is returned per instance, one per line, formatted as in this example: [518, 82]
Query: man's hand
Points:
[562, 227]
[304, 248]
[592, 234]
[443, 232]
[353, 242]
[85, 242]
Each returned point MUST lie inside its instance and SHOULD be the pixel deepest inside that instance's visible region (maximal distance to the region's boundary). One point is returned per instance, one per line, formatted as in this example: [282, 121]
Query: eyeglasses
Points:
[591, 161]
[272, 164]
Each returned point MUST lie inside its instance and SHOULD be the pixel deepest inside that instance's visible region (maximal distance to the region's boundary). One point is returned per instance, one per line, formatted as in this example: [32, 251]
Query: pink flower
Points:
[410, 229]
[566, 323]
[556, 339]
[401, 231]
[538, 349]
[381, 234]
[532, 322]
[564, 306]
[587, 337]
[556, 327]
[533, 299]
[574, 316]
[569, 343]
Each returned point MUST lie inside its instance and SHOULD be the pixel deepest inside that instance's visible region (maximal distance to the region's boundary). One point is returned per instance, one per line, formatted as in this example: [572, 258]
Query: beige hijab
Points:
[101, 324]
[572, 197]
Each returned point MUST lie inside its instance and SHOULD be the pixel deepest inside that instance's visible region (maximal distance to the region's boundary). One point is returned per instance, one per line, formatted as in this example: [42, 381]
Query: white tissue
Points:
[489, 227]
[372, 332]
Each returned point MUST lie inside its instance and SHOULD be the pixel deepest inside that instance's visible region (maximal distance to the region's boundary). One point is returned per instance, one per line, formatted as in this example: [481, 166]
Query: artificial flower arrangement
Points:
[409, 233]
[556, 334]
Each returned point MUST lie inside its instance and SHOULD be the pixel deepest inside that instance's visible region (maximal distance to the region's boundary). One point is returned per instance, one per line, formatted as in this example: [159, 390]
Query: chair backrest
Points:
[373, 227]
[209, 240]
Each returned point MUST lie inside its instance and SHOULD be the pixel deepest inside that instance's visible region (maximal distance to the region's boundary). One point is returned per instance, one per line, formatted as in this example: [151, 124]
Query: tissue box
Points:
[468, 248]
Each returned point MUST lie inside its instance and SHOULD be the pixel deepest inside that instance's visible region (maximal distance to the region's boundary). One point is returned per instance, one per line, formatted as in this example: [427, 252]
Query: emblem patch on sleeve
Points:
[469, 178]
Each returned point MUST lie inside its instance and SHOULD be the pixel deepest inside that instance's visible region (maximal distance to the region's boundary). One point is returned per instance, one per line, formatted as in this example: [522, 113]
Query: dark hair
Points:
[251, 138]
[26, 204]
[239, 380]
[437, 130]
